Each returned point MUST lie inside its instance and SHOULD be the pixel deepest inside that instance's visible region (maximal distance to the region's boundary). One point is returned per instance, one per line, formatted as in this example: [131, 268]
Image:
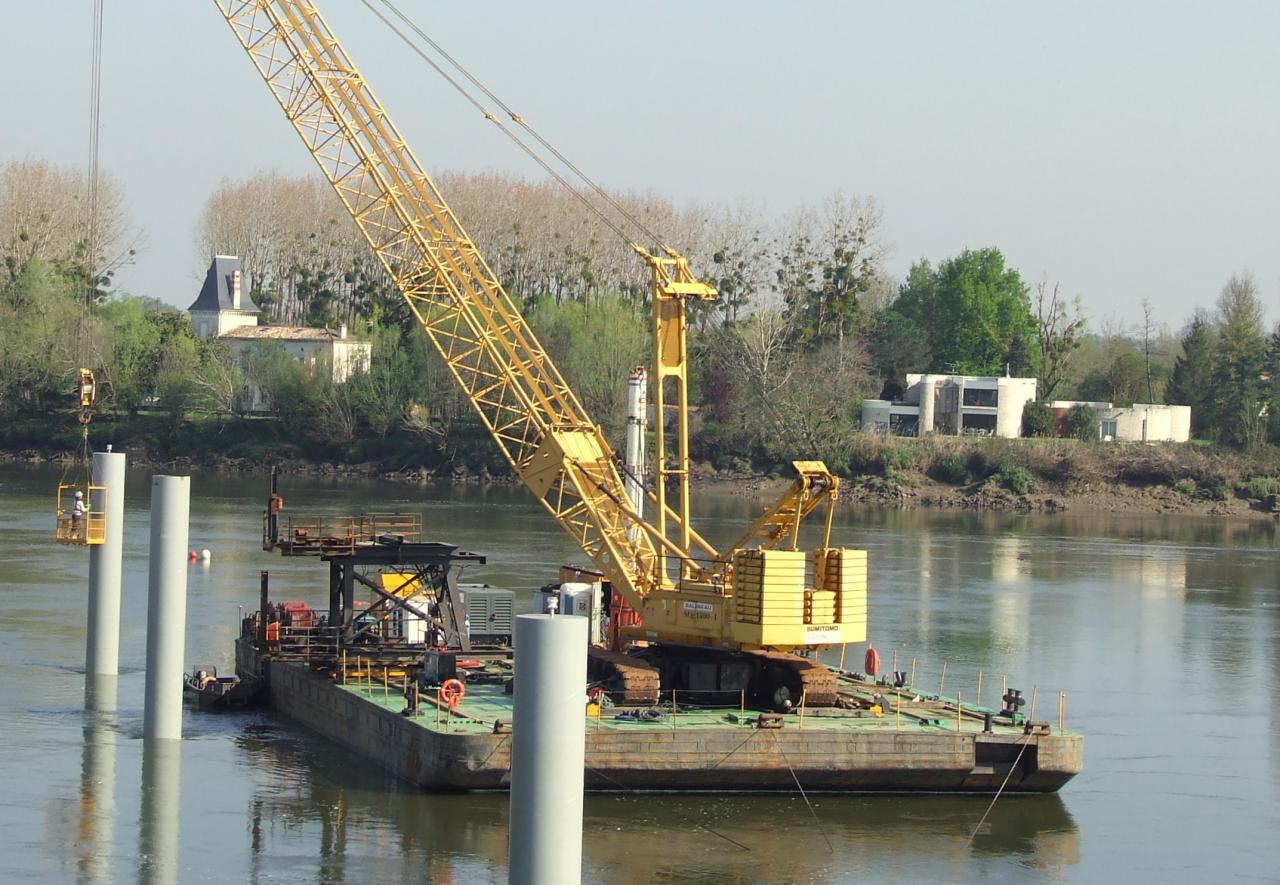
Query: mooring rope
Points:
[803, 795]
[1000, 791]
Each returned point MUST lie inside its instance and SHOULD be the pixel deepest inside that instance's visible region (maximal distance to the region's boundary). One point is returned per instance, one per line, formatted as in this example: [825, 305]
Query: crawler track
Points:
[628, 680]
[786, 678]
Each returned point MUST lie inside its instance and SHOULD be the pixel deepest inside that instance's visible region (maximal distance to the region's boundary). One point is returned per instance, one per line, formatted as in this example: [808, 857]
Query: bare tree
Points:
[44, 215]
[1058, 329]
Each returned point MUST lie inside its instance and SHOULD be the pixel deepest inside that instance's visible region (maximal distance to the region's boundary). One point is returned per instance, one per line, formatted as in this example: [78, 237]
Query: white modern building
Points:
[1141, 422]
[223, 310]
[961, 405]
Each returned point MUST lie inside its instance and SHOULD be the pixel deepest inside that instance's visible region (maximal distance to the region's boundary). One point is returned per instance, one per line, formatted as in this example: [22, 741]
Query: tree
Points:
[1081, 423]
[45, 336]
[44, 215]
[898, 346]
[128, 375]
[1273, 372]
[218, 380]
[1037, 420]
[976, 310]
[829, 261]
[1192, 378]
[1239, 391]
[176, 383]
[1058, 329]
[596, 346]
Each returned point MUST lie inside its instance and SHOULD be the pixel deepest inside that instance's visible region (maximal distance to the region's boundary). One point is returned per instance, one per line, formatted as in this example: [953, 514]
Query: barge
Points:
[418, 679]
[883, 739]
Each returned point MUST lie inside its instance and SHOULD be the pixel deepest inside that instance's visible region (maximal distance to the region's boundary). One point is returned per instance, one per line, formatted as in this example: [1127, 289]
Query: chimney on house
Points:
[235, 290]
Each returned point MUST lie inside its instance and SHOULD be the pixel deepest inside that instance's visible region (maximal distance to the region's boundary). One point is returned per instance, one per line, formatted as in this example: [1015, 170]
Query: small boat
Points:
[205, 688]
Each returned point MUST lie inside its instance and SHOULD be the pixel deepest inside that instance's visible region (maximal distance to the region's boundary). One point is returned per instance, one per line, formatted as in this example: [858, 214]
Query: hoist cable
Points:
[493, 119]
[518, 120]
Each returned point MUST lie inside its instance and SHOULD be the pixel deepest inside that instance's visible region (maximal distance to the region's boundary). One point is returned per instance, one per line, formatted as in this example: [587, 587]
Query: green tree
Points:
[898, 345]
[1082, 423]
[596, 345]
[977, 312]
[1192, 378]
[1273, 372]
[129, 373]
[1240, 391]
[45, 335]
[283, 382]
[1037, 420]
[176, 375]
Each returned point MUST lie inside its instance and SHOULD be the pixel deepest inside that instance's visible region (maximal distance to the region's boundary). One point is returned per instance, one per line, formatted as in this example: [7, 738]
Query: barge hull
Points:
[722, 758]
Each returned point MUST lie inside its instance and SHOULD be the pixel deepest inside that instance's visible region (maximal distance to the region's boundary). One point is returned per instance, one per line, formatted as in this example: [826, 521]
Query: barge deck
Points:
[919, 744]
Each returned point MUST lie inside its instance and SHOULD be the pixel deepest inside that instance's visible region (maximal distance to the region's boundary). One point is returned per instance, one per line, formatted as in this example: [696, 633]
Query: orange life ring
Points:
[871, 663]
[452, 692]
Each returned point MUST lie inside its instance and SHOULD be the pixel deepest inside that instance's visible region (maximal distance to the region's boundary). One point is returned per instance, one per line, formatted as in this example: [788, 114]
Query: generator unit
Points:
[490, 613]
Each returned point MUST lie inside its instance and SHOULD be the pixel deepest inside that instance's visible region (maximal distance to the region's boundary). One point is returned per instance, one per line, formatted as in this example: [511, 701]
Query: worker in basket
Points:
[77, 515]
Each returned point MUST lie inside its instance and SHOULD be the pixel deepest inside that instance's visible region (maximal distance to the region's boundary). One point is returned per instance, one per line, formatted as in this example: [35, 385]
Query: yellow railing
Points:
[90, 526]
[336, 535]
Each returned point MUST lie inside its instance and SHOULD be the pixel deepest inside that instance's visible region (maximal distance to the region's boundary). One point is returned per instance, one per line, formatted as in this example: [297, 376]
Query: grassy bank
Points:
[938, 471]
[1050, 474]
[251, 443]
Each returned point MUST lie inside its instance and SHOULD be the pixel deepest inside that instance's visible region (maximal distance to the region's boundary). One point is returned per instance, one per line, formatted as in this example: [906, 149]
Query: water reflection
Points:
[369, 827]
[158, 825]
[95, 824]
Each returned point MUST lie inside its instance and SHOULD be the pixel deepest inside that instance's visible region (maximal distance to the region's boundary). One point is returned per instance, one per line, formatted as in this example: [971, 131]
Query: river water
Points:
[1164, 632]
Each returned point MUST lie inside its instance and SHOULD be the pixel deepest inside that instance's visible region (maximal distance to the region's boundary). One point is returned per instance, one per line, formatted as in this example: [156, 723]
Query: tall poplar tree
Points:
[1240, 390]
[1190, 383]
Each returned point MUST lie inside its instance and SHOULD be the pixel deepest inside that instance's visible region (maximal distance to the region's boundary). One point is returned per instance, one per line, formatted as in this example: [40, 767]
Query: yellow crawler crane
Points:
[763, 596]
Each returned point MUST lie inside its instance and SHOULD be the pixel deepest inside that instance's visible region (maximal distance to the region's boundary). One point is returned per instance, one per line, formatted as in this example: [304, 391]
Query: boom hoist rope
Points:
[519, 120]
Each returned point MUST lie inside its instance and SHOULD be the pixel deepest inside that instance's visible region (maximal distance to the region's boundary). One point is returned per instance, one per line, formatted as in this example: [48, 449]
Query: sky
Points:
[1123, 150]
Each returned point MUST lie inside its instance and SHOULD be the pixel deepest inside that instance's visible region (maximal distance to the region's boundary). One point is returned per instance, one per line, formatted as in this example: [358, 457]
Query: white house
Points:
[223, 310]
[1141, 422]
[968, 405]
[223, 304]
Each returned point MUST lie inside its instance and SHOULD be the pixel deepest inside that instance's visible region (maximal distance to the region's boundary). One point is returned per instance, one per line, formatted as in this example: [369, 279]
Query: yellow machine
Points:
[762, 595]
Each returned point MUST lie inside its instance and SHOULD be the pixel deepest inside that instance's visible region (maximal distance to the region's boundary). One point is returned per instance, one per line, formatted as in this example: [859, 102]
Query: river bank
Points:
[938, 473]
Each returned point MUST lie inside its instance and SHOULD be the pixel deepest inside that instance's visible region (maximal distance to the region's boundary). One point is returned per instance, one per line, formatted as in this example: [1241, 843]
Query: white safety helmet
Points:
[79, 495]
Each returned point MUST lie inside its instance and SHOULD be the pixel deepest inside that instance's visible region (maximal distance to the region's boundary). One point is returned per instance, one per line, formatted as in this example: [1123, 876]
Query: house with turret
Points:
[224, 310]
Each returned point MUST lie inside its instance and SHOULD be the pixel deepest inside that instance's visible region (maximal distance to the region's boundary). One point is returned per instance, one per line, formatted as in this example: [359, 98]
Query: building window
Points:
[1109, 428]
[979, 425]
[980, 396]
[904, 425]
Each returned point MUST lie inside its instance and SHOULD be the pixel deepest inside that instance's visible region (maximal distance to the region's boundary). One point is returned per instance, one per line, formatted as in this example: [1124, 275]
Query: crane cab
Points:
[84, 525]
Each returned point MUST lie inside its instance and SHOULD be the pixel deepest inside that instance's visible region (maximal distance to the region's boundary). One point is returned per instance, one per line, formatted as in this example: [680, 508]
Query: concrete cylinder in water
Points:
[166, 606]
[547, 750]
[102, 645]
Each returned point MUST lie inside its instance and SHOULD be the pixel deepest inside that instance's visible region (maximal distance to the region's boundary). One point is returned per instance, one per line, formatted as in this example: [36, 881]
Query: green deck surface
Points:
[484, 704]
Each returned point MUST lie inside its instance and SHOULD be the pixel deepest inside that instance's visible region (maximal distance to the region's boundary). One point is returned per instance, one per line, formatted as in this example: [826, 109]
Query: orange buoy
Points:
[871, 663]
[452, 691]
